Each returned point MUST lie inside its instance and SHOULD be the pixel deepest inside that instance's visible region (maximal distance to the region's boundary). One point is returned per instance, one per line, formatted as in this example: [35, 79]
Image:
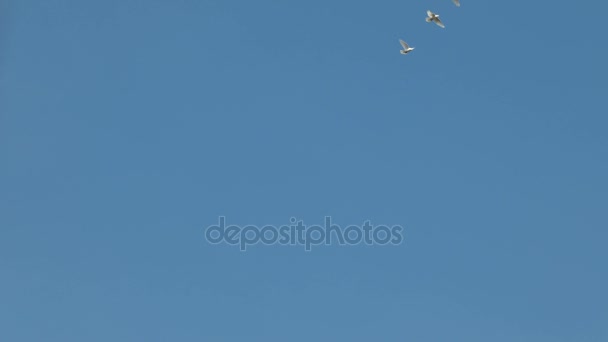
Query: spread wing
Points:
[404, 44]
[429, 13]
[439, 23]
[456, 2]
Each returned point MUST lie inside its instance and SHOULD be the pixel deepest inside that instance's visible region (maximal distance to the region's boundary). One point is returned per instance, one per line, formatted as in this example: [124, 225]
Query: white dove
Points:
[456, 2]
[406, 48]
[435, 18]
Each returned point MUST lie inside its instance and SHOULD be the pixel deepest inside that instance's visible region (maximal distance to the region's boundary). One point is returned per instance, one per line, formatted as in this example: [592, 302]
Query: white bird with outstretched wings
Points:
[406, 48]
[434, 18]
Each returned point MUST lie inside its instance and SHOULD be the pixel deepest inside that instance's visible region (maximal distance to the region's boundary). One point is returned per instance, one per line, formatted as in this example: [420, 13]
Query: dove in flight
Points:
[406, 48]
[434, 18]
[456, 2]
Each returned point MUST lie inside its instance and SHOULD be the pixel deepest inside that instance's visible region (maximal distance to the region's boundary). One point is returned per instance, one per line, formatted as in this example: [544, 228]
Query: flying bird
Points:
[456, 2]
[406, 48]
[435, 18]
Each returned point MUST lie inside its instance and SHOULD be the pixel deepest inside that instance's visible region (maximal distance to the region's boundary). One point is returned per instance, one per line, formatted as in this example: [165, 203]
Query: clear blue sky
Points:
[128, 126]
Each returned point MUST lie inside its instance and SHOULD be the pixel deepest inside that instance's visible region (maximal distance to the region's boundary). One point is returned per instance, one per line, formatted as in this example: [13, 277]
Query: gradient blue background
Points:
[127, 127]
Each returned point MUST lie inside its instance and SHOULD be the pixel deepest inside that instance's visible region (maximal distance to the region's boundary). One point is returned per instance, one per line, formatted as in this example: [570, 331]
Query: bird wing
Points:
[456, 2]
[429, 13]
[438, 22]
[404, 44]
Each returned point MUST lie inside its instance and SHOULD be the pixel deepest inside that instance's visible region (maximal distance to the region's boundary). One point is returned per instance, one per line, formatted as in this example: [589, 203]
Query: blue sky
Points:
[128, 127]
